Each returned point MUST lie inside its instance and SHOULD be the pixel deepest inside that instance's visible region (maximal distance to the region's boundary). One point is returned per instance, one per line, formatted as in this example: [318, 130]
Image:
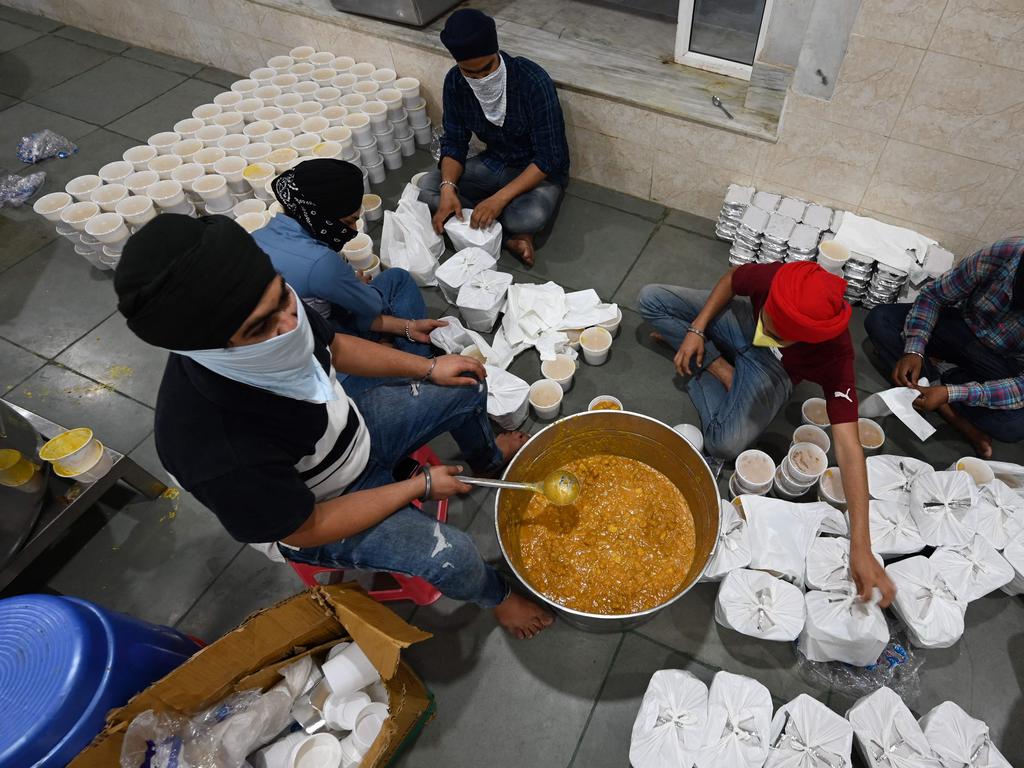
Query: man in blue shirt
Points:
[511, 105]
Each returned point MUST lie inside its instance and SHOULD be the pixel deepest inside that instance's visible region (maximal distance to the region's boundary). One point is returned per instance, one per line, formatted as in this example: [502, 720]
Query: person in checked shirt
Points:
[972, 319]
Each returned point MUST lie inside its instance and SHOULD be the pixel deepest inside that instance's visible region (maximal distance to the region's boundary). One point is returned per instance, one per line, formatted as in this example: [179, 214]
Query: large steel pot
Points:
[620, 433]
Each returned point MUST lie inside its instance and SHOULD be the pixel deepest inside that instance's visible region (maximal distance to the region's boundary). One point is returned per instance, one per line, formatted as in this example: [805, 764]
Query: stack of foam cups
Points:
[754, 473]
[804, 464]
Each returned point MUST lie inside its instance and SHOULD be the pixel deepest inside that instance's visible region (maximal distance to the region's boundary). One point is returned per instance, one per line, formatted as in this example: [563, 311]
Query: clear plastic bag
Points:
[43, 145]
[16, 189]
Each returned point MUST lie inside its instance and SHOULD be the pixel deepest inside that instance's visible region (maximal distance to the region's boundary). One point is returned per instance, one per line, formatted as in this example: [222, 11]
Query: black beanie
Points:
[188, 284]
[470, 34]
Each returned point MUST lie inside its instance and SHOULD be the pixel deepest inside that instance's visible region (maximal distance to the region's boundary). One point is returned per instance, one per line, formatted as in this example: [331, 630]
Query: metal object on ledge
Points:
[414, 13]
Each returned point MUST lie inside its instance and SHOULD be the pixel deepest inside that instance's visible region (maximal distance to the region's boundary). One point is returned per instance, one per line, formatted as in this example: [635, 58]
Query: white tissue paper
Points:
[780, 533]
[757, 604]
[942, 504]
[584, 309]
[839, 627]
[463, 235]
[669, 728]
[893, 530]
[891, 477]
[925, 600]
[408, 239]
[481, 298]
[459, 268]
[733, 549]
[888, 243]
[972, 570]
[739, 720]
[807, 734]
[507, 398]
[1000, 513]
[536, 315]
[828, 564]
[959, 740]
[1014, 555]
[898, 402]
[887, 735]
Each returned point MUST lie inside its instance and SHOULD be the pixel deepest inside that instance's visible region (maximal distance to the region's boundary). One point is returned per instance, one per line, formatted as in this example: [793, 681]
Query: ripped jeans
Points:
[408, 541]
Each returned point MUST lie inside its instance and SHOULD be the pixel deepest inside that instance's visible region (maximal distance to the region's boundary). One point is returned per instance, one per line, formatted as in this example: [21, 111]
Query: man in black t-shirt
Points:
[251, 418]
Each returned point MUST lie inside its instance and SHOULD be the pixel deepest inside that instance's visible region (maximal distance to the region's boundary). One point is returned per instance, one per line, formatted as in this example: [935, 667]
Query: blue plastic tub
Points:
[64, 663]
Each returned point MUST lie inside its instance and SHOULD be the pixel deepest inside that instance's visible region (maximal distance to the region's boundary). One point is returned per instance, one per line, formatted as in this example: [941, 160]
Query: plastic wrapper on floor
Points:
[739, 721]
[669, 728]
[886, 733]
[959, 740]
[759, 605]
[943, 506]
[927, 603]
[807, 734]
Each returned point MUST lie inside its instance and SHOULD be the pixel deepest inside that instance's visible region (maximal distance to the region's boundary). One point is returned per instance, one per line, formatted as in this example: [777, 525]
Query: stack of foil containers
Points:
[858, 272]
[746, 242]
[885, 286]
[775, 241]
[737, 199]
[803, 243]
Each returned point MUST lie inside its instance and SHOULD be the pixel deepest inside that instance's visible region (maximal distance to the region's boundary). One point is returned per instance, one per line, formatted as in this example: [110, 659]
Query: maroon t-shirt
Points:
[828, 363]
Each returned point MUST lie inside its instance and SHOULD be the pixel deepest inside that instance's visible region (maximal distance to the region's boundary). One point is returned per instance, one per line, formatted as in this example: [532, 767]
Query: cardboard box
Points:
[251, 655]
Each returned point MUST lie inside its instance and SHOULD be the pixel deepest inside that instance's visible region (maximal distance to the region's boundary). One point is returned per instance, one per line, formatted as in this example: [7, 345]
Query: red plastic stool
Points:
[409, 587]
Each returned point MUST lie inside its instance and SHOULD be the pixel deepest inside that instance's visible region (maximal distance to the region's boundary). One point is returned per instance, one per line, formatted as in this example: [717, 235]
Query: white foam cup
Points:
[349, 671]
[255, 152]
[423, 135]
[164, 165]
[376, 172]
[109, 229]
[214, 190]
[417, 111]
[830, 488]
[345, 82]
[561, 369]
[208, 157]
[368, 154]
[279, 138]
[187, 175]
[363, 70]
[186, 149]
[244, 86]
[343, 63]
[334, 115]
[358, 250]
[868, 426]
[232, 143]
[268, 114]
[809, 433]
[832, 256]
[327, 96]
[309, 109]
[976, 468]
[286, 81]
[250, 222]
[322, 59]
[374, 269]
[289, 122]
[140, 181]
[280, 63]
[612, 326]
[249, 206]
[407, 144]
[139, 156]
[595, 343]
[322, 76]
[78, 214]
[137, 210]
[814, 411]
[82, 187]
[373, 207]
[211, 134]
[258, 130]
[755, 471]
[206, 112]
[805, 462]
[692, 435]
[302, 70]
[386, 138]
[262, 75]
[258, 174]
[288, 101]
[187, 128]
[163, 141]
[304, 143]
[167, 194]
[109, 195]
[368, 89]
[409, 88]
[340, 134]
[328, 149]
[226, 100]
[368, 726]
[266, 94]
[384, 77]
[546, 398]
[377, 112]
[321, 750]
[282, 159]
[353, 102]
[306, 89]
[50, 206]
[315, 124]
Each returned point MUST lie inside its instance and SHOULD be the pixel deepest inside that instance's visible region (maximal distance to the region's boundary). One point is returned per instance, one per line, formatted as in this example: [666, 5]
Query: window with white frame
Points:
[721, 36]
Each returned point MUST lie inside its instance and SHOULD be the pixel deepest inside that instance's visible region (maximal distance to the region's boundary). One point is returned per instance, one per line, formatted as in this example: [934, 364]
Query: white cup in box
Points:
[321, 750]
[341, 711]
[349, 671]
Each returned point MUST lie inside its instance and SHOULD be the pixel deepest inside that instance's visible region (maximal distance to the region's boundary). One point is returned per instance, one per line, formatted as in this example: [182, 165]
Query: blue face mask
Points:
[284, 365]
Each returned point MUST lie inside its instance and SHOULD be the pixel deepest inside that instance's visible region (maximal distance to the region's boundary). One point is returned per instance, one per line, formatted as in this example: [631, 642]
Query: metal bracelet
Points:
[433, 364]
[428, 483]
[912, 352]
[697, 331]
[407, 323]
[446, 183]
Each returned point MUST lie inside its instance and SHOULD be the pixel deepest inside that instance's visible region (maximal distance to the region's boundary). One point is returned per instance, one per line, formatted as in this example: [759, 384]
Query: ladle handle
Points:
[496, 483]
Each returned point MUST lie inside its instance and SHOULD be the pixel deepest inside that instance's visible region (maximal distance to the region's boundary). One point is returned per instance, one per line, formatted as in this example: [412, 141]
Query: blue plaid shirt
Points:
[534, 130]
[982, 285]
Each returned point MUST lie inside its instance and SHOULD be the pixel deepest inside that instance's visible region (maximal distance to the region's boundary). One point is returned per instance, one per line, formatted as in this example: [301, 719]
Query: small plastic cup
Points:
[612, 326]
[116, 172]
[374, 268]
[343, 63]
[244, 86]
[605, 403]
[546, 398]
[392, 158]
[333, 115]
[304, 143]
[805, 463]
[208, 157]
[77, 215]
[978, 469]
[342, 711]
[259, 130]
[139, 156]
[322, 76]
[407, 145]
[349, 671]
[378, 114]
[787, 489]
[872, 436]
[109, 229]
[164, 165]
[82, 187]
[286, 81]
[409, 88]
[327, 96]
[596, 342]
[249, 206]
[258, 174]
[214, 191]
[832, 256]
[561, 369]
[167, 194]
[302, 70]
[50, 206]
[247, 107]
[103, 462]
[211, 134]
[262, 75]
[266, 94]
[279, 138]
[256, 152]
[282, 159]
[358, 250]
[808, 433]
[164, 140]
[136, 210]
[366, 88]
[250, 222]
[226, 100]
[309, 109]
[186, 149]
[692, 435]
[140, 181]
[390, 98]
[322, 59]
[755, 471]
[206, 112]
[386, 139]
[232, 143]
[423, 135]
[306, 89]
[268, 114]
[289, 122]
[287, 102]
[417, 109]
[72, 451]
[187, 175]
[353, 102]
[373, 207]
[814, 411]
[188, 127]
[363, 70]
[830, 488]
[345, 82]
[384, 77]
[328, 149]
[232, 122]
[375, 173]
[280, 63]
[316, 124]
[321, 750]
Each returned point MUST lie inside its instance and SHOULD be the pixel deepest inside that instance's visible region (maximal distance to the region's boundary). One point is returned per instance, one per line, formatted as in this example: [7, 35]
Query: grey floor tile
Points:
[689, 626]
[152, 559]
[123, 83]
[251, 582]
[52, 298]
[618, 200]
[165, 110]
[675, 257]
[500, 701]
[6, 101]
[590, 246]
[113, 355]
[16, 365]
[66, 398]
[163, 60]
[94, 150]
[22, 233]
[691, 222]
[43, 63]
[606, 740]
[216, 76]
[13, 36]
[24, 119]
[93, 40]
[38, 23]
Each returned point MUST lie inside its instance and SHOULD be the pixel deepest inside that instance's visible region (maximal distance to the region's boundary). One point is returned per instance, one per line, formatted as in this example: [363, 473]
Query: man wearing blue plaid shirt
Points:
[512, 107]
[971, 318]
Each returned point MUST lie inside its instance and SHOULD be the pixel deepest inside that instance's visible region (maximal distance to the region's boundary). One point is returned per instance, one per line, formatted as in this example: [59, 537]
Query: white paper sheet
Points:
[925, 600]
[943, 505]
[760, 605]
[739, 720]
[893, 530]
[780, 533]
[959, 740]
[887, 735]
[733, 549]
[839, 627]
[807, 734]
[897, 401]
[972, 570]
[535, 315]
[669, 728]
[507, 398]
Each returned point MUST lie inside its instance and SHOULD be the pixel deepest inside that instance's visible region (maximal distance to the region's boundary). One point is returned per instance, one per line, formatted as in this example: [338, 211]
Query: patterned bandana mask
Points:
[331, 232]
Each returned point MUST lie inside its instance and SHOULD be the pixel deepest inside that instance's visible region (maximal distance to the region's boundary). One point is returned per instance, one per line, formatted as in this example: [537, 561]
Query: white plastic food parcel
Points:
[925, 600]
[669, 728]
[760, 605]
[739, 720]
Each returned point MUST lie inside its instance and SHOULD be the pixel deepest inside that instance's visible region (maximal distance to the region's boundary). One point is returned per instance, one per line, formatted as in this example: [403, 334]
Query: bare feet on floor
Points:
[509, 443]
[722, 370]
[522, 617]
[521, 246]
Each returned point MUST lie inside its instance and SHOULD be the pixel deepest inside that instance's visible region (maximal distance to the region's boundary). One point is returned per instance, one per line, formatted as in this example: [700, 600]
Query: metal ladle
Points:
[561, 488]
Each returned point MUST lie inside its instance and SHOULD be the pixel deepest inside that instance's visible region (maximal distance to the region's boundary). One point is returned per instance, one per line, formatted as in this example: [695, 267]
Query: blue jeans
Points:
[400, 420]
[401, 297]
[730, 419]
[952, 341]
[527, 214]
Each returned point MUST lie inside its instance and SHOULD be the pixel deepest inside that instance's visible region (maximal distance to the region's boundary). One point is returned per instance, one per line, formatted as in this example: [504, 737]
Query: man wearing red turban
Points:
[743, 345]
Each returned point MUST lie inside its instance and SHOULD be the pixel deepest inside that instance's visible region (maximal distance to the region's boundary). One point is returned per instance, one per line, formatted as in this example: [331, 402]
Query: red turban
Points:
[805, 303]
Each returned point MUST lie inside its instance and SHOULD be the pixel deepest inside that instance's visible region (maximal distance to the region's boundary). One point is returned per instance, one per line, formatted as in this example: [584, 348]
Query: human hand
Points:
[908, 370]
[868, 574]
[443, 484]
[365, 278]
[456, 371]
[487, 212]
[450, 204]
[691, 348]
[419, 330]
[931, 398]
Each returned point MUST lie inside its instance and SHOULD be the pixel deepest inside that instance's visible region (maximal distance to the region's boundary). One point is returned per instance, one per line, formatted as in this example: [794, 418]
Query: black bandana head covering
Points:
[318, 194]
[188, 284]
[469, 34]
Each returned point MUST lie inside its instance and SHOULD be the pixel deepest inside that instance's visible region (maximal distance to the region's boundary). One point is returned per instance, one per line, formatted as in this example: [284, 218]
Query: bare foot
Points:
[659, 339]
[509, 443]
[521, 246]
[522, 617]
[722, 370]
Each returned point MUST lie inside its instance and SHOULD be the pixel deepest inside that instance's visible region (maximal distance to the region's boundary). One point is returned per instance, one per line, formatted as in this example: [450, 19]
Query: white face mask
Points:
[490, 92]
[284, 365]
